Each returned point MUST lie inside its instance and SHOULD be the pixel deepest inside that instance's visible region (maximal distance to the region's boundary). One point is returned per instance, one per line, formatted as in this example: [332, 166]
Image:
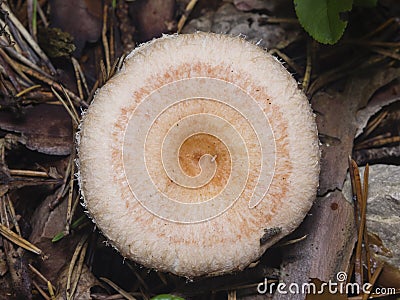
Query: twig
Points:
[18, 240]
[70, 112]
[105, 41]
[307, 73]
[29, 173]
[40, 275]
[16, 69]
[80, 77]
[366, 242]
[27, 90]
[356, 184]
[375, 122]
[287, 60]
[118, 289]
[29, 39]
[73, 282]
[41, 291]
[52, 83]
[70, 196]
[11, 210]
[188, 10]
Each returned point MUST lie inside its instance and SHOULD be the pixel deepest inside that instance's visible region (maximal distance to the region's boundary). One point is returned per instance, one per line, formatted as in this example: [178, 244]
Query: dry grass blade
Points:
[28, 38]
[381, 27]
[40, 275]
[375, 276]
[52, 83]
[70, 195]
[29, 173]
[188, 10]
[307, 73]
[105, 41]
[378, 141]
[232, 295]
[51, 291]
[75, 267]
[31, 12]
[356, 184]
[63, 188]
[41, 291]
[27, 90]
[366, 242]
[80, 77]
[15, 68]
[287, 60]
[18, 240]
[8, 203]
[290, 242]
[71, 110]
[118, 289]
[387, 53]
[24, 60]
[361, 193]
[371, 126]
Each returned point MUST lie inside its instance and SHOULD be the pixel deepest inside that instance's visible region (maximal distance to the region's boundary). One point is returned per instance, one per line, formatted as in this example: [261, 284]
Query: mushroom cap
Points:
[198, 155]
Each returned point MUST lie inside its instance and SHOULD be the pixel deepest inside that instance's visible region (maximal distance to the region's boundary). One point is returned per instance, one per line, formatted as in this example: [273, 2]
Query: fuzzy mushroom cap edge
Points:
[182, 106]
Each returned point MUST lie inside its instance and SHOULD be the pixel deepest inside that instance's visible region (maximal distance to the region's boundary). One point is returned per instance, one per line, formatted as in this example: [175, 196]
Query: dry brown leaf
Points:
[331, 238]
[81, 19]
[336, 120]
[44, 128]
[152, 17]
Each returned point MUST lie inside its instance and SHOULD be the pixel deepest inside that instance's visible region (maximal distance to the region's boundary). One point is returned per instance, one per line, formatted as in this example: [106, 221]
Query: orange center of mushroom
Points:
[198, 145]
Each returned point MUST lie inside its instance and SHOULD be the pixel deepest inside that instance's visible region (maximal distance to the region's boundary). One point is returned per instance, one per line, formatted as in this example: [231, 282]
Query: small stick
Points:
[359, 219]
[24, 60]
[71, 105]
[42, 16]
[378, 141]
[78, 272]
[381, 27]
[287, 60]
[40, 290]
[375, 276]
[27, 90]
[307, 73]
[366, 242]
[186, 14]
[375, 122]
[51, 82]
[70, 195]
[81, 74]
[28, 38]
[118, 289]
[77, 77]
[18, 240]
[72, 115]
[69, 290]
[105, 41]
[16, 69]
[391, 54]
[29, 173]
[40, 275]
[11, 210]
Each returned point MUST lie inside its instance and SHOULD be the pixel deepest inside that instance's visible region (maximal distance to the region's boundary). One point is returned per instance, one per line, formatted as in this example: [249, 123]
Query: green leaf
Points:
[365, 3]
[322, 18]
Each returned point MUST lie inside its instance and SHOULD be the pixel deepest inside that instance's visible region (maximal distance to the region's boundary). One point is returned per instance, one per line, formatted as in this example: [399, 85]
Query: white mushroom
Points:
[198, 155]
